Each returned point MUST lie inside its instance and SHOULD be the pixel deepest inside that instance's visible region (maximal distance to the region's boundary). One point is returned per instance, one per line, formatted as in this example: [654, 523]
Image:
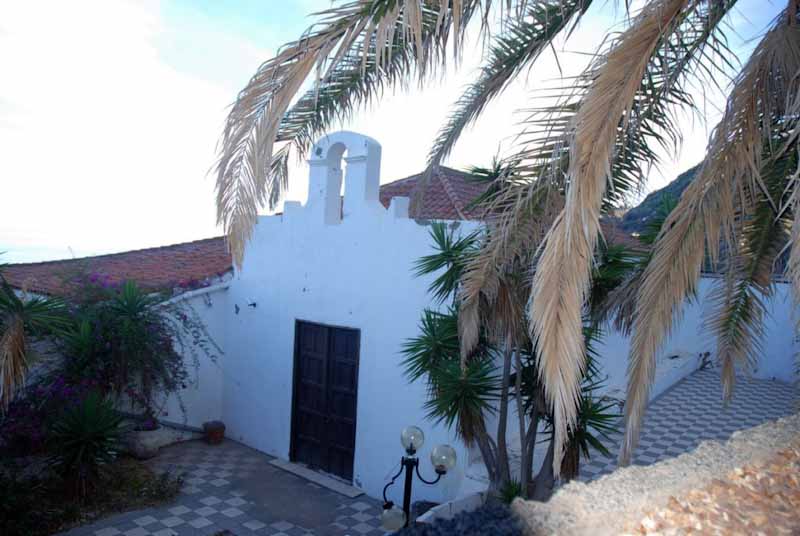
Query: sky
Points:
[111, 110]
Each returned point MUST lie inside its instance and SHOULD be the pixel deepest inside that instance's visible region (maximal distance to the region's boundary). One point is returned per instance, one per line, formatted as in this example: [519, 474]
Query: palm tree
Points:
[578, 158]
[21, 316]
[463, 390]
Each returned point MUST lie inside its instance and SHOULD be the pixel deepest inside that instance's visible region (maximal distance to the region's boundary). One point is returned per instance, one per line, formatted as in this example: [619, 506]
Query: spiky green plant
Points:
[23, 315]
[463, 396]
[83, 438]
[578, 157]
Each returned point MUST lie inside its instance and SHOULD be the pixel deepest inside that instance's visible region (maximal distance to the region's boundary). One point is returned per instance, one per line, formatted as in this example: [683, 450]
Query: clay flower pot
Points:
[215, 432]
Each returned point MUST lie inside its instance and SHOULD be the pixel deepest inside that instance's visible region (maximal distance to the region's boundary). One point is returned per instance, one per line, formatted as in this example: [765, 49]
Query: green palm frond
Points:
[19, 318]
[619, 305]
[436, 344]
[464, 395]
[519, 45]
[738, 303]
[450, 258]
[615, 264]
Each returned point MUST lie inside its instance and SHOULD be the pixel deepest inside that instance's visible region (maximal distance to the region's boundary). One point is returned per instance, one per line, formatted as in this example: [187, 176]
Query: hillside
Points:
[635, 220]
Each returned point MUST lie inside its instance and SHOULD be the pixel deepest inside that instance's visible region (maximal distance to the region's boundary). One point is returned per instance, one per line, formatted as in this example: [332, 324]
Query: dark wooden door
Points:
[325, 394]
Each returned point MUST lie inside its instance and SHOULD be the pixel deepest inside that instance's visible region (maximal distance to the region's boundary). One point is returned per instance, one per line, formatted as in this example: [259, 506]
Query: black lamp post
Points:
[443, 459]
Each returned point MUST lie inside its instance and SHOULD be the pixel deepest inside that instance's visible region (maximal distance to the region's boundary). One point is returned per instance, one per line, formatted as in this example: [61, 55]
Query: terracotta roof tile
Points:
[449, 196]
[179, 265]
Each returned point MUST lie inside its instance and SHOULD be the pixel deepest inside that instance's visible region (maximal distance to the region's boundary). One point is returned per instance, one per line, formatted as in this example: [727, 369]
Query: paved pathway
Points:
[236, 488]
[233, 487]
[692, 411]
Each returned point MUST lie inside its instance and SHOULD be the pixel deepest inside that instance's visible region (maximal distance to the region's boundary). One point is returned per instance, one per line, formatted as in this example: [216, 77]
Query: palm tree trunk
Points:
[528, 447]
[489, 456]
[523, 444]
[545, 481]
[571, 464]
[503, 472]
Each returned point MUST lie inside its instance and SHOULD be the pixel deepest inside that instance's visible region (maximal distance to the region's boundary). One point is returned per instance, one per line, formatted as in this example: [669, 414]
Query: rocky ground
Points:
[746, 485]
[760, 498]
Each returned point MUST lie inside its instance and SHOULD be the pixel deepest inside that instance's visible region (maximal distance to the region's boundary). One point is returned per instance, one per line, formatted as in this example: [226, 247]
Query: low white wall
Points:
[690, 338]
[202, 398]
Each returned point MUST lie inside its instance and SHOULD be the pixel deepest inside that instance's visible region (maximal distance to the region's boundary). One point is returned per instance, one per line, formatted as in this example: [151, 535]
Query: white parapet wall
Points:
[346, 264]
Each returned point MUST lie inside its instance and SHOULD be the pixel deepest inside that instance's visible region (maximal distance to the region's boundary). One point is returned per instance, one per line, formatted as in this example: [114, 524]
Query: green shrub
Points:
[83, 438]
[20, 510]
[511, 490]
[134, 345]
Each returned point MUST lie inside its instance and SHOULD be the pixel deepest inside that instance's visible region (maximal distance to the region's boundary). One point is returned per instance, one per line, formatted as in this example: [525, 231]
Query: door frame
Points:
[295, 372]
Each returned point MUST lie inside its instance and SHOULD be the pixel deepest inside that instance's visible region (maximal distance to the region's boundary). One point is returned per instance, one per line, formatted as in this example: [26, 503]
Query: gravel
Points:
[496, 520]
[615, 501]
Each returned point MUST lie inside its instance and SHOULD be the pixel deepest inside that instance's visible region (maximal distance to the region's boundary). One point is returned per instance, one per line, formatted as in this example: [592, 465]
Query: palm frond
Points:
[360, 34]
[436, 344]
[464, 396]
[620, 305]
[518, 46]
[563, 274]
[13, 359]
[739, 301]
[451, 253]
[19, 317]
[522, 211]
[762, 99]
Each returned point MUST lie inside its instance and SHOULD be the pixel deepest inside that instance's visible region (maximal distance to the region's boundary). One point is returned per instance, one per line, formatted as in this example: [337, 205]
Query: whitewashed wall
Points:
[202, 399]
[308, 264]
[350, 265]
[680, 353]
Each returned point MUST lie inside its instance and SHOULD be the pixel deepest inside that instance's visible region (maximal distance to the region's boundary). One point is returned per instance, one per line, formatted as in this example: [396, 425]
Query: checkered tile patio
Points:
[233, 487]
[693, 411]
[236, 488]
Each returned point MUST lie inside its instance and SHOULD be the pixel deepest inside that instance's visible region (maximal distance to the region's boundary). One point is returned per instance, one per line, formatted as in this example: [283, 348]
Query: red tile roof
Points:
[448, 197]
[180, 265]
[450, 194]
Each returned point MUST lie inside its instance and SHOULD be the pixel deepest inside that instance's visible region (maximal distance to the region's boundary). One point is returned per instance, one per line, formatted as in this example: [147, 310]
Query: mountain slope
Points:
[635, 220]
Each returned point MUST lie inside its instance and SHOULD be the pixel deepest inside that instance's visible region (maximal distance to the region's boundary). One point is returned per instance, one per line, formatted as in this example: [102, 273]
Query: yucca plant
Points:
[82, 439]
[20, 317]
[578, 157]
[464, 390]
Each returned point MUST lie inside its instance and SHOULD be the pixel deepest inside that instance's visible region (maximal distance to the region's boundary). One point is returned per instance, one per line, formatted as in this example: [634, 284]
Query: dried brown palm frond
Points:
[13, 359]
[506, 252]
[563, 270]
[249, 173]
[20, 315]
[705, 216]
[792, 269]
[520, 216]
[739, 300]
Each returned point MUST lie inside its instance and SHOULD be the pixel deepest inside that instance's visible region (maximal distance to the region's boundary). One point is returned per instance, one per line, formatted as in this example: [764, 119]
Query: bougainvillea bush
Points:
[128, 343]
[137, 345]
[23, 429]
